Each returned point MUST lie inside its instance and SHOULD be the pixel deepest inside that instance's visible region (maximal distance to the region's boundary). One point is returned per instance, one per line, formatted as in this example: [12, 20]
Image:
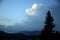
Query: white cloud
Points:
[33, 9]
[35, 6]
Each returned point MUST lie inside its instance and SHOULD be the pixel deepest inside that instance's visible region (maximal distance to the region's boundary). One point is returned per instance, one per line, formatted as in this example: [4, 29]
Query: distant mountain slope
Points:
[31, 32]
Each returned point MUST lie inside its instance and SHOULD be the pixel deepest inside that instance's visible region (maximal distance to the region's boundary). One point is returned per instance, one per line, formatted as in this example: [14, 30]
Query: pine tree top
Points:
[49, 25]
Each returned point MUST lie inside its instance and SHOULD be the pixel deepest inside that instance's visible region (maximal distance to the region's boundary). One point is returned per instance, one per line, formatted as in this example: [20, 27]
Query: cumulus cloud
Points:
[33, 9]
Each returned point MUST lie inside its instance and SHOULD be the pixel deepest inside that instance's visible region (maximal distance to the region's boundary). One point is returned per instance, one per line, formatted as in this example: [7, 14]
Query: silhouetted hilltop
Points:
[31, 32]
[7, 36]
[19, 36]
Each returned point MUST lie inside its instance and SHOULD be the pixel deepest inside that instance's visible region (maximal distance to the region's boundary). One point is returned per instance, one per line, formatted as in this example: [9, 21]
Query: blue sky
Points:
[14, 10]
[27, 12]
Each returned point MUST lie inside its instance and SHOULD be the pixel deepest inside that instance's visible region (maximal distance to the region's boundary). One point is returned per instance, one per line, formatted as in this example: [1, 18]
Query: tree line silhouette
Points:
[47, 33]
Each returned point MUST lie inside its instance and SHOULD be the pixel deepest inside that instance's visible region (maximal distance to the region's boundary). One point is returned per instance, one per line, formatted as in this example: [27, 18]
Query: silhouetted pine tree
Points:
[49, 25]
[47, 32]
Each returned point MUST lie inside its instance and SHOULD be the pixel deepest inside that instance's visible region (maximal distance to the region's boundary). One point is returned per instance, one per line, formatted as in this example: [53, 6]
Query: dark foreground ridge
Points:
[18, 36]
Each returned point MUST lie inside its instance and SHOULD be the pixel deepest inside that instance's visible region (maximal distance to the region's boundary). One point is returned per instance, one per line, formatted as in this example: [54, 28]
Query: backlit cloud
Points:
[33, 9]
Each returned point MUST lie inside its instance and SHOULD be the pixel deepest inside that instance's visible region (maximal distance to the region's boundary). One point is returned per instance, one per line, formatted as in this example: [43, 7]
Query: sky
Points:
[27, 15]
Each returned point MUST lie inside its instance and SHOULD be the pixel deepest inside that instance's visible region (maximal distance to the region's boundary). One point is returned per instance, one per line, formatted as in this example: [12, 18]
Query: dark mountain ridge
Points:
[18, 36]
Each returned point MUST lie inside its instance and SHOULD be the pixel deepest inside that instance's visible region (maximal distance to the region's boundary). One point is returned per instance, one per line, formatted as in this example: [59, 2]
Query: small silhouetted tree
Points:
[49, 25]
[48, 28]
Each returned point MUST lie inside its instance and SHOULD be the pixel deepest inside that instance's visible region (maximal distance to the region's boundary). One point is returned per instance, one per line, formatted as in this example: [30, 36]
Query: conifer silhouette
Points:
[49, 25]
[47, 32]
